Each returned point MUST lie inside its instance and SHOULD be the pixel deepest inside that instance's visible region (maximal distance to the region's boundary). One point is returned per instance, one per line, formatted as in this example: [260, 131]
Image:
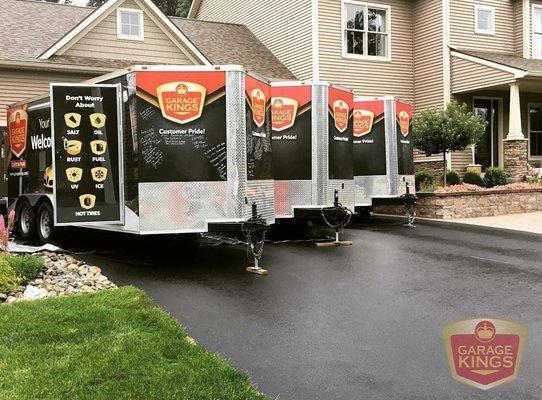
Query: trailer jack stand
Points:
[410, 215]
[256, 269]
[335, 243]
[254, 229]
[336, 217]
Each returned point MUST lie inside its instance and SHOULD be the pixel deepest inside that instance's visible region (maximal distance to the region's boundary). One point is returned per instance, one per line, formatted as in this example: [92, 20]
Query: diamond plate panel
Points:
[403, 180]
[291, 194]
[391, 147]
[320, 144]
[263, 193]
[367, 187]
[346, 193]
[185, 206]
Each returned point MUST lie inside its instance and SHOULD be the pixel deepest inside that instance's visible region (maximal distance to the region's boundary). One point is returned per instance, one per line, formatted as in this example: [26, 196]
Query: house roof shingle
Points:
[224, 43]
[28, 28]
[508, 60]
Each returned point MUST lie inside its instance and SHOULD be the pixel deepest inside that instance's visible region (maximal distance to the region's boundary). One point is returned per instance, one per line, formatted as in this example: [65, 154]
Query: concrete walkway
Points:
[529, 222]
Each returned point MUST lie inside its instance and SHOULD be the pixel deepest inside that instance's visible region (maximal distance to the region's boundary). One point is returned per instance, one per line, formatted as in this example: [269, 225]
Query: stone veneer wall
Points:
[516, 158]
[472, 204]
[435, 167]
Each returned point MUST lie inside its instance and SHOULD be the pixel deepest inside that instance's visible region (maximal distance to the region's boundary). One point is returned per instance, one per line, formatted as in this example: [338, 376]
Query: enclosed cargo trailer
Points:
[312, 148]
[383, 152]
[193, 152]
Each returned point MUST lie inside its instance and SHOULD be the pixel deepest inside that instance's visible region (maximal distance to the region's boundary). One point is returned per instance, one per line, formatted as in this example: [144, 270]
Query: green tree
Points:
[177, 8]
[438, 131]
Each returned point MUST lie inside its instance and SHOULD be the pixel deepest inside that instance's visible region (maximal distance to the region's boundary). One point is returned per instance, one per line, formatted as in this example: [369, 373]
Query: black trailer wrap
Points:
[258, 125]
[182, 126]
[340, 127]
[292, 132]
[31, 170]
[369, 138]
[405, 146]
[86, 125]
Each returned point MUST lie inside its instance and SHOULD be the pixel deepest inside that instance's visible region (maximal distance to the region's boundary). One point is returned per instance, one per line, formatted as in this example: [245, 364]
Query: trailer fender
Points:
[35, 200]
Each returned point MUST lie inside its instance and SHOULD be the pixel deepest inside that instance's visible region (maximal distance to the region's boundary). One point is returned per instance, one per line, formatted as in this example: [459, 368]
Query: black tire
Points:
[45, 223]
[25, 220]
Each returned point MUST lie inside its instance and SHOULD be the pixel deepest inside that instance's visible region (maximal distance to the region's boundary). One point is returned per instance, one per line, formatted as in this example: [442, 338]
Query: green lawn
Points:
[112, 345]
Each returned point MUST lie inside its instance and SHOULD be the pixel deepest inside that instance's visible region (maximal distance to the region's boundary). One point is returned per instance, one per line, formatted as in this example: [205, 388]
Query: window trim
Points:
[480, 7]
[344, 44]
[529, 106]
[120, 35]
[535, 56]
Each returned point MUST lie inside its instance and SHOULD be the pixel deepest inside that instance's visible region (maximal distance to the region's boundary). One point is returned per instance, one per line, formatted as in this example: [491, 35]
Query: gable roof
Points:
[224, 43]
[29, 28]
[109, 6]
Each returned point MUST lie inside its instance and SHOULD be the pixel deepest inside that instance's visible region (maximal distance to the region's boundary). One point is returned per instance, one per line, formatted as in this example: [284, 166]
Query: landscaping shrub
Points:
[452, 178]
[495, 176]
[9, 281]
[473, 178]
[26, 266]
[423, 177]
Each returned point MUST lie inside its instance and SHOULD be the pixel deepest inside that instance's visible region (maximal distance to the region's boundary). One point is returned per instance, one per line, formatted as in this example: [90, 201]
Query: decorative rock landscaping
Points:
[62, 275]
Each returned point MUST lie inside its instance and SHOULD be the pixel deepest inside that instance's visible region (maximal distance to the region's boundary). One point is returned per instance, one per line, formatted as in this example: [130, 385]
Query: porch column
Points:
[514, 127]
[515, 144]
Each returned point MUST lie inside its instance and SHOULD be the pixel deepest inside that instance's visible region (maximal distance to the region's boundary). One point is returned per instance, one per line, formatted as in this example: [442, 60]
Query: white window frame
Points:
[534, 7]
[344, 42]
[491, 31]
[120, 35]
[529, 106]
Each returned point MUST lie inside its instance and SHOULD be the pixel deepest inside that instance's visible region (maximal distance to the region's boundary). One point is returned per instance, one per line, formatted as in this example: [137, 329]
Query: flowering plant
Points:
[5, 231]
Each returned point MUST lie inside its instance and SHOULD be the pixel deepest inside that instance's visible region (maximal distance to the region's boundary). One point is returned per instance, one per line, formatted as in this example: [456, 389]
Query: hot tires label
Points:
[182, 126]
[86, 153]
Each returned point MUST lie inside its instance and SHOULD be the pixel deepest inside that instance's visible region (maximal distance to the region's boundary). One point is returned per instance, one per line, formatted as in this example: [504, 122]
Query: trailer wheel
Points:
[25, 219]
[45, 223]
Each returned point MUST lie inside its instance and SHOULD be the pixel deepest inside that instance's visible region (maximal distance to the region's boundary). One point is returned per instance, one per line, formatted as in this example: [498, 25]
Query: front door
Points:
[487, 150]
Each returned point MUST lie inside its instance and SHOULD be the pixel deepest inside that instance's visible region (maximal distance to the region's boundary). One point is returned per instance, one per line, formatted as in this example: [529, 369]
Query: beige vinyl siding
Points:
[468, 76]
[367, 77]
[284, 27]
[428, 54]
[100, 41]
[17, 86]
[462, 26]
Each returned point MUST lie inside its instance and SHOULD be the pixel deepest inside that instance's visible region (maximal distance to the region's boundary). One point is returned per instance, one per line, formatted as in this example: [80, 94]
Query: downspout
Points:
[526, 29]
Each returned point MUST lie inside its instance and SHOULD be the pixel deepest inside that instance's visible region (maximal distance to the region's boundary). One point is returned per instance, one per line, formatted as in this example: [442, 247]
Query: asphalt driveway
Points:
[358, 322]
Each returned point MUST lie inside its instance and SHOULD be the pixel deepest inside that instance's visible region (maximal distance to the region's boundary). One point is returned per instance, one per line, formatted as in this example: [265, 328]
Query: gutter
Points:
[39, 66]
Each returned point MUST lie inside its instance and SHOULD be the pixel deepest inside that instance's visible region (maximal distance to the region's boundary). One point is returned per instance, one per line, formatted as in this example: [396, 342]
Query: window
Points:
[366, 30]
[535, 131]
[484, 20]
[129, 24]
[537, 31]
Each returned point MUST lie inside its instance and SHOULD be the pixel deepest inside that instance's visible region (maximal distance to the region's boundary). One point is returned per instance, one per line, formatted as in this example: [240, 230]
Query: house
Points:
[485, 53]
[47, 42]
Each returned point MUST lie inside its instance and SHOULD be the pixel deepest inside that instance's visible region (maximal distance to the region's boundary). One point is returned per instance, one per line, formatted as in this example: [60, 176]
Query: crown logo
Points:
[278, 103]
[181, 89]
[485, 331]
